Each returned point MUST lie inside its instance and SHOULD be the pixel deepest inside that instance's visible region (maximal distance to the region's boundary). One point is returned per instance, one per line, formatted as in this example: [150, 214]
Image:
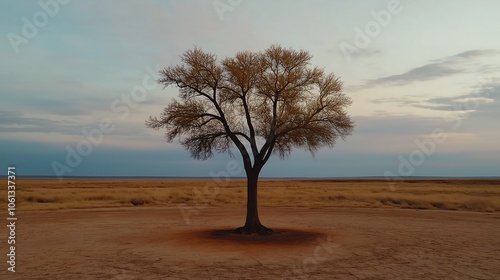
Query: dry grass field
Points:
[446, 194]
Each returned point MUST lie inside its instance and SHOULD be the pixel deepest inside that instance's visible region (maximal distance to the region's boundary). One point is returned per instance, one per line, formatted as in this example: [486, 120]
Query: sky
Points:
[78, 81]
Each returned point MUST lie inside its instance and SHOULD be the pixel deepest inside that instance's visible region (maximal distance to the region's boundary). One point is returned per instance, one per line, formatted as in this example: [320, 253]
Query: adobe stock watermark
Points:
[308, 265]
[364, 36]
[94, 137]
[31, 26]
[427, 146]
[210, 190]
[223, 6]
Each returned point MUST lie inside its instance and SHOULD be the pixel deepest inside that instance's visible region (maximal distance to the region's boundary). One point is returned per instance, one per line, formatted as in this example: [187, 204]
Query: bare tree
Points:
[264, 103]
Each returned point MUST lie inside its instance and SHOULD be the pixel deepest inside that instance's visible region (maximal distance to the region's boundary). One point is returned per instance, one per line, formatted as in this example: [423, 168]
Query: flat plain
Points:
[329, 229]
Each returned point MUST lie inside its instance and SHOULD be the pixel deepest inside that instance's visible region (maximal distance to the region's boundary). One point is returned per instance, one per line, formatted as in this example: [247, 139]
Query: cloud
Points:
[486, 113]
[64, 107]
[461, 116]
[471, 54]
[439, 68]
[18, 122]
[457, 103]
[482, 97]
[422, 73]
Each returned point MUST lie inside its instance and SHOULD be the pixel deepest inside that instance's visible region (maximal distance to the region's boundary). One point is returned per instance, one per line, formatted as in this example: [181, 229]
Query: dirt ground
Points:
[315, 243]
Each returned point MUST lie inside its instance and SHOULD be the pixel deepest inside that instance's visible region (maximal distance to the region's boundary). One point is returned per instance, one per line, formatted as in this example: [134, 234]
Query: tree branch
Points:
[253, 143]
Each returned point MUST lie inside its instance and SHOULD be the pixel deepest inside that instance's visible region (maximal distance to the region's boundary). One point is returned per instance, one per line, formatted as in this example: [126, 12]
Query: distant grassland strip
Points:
[446, 194]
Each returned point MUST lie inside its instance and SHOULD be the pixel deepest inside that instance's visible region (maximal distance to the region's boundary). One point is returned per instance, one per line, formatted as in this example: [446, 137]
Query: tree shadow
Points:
[283, 237]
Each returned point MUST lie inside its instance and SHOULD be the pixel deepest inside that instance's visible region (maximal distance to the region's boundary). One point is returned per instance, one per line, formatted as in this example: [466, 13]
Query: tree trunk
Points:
[252, 223]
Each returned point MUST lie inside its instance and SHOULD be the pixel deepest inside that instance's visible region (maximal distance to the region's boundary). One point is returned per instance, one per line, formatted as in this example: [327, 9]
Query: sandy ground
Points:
[322, 243]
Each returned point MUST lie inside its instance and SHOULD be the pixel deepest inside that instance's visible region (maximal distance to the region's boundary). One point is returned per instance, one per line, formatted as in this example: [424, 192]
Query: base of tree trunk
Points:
[260, 229]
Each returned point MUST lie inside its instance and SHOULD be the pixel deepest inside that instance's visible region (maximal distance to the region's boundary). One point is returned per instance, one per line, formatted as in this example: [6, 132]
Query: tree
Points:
[263, 103]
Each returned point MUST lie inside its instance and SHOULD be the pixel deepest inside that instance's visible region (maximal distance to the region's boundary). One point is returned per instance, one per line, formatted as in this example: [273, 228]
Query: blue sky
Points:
[423, 77]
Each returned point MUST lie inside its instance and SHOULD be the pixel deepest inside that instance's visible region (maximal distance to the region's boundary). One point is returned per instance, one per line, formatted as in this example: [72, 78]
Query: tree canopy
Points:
[262, 102]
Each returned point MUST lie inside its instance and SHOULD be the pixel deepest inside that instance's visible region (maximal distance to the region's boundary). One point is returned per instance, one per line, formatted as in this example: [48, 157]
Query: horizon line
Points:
[244, 177]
